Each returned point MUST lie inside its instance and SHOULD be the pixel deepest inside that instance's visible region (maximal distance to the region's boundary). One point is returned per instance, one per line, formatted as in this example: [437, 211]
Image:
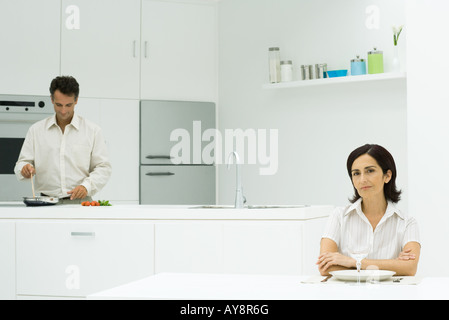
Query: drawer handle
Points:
[160, 174]
[82, 234]
[146, 49]
[158, 157]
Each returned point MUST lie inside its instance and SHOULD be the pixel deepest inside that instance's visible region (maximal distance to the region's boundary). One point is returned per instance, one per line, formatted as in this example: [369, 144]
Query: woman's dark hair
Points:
[66, 84]
[385, 161]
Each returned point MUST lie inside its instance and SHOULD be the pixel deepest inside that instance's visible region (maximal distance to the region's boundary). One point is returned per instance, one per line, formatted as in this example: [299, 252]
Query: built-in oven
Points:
[17, 114]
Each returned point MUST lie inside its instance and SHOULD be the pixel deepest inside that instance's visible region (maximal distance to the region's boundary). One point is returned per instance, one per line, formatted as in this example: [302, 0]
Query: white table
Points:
[181, 286]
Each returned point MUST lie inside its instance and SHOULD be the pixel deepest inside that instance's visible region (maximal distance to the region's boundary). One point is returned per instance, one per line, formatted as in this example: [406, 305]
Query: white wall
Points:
[428, 133]
[318, 126]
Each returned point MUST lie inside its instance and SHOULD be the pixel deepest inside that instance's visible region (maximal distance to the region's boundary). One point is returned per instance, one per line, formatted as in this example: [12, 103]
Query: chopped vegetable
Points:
[96, 203]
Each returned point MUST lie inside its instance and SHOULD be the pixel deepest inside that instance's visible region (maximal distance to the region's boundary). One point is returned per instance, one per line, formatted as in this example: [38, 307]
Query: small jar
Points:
[321, 70]
[307, 72]
[358, 66]
[274, 65]
[375, 61]
[286, 71]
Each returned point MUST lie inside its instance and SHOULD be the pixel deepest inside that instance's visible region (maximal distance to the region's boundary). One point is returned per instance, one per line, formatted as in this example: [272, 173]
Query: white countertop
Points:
[184, 286]
[147, 212]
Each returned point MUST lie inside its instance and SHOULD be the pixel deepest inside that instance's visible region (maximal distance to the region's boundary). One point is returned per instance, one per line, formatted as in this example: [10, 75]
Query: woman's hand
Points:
[328, 259]
[406, 255]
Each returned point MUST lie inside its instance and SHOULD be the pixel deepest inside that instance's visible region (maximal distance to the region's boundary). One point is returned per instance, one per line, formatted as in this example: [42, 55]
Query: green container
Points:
[375, 61]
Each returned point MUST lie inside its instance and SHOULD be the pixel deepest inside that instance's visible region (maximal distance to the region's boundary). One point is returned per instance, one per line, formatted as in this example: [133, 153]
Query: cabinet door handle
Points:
[159, 157]
[82, 234]
[146, 49]
[134, 48]
[159, 174]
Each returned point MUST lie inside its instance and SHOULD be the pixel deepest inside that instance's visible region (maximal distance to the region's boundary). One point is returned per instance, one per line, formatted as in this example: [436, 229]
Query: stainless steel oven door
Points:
[17, 114]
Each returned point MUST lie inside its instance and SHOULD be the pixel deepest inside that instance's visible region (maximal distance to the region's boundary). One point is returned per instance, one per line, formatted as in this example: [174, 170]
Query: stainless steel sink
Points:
[278, 206]
[212, 207]
[251, 207]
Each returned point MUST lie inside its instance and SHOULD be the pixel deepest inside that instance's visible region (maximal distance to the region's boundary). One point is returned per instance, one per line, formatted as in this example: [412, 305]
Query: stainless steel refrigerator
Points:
[172, 168]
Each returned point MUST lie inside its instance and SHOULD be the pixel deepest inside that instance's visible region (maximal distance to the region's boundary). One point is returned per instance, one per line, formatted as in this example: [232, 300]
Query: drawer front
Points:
[178, 185]
[79, 258]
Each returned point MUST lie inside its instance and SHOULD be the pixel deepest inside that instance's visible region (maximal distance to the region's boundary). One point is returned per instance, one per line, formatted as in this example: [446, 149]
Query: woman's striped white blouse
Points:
[349, 228]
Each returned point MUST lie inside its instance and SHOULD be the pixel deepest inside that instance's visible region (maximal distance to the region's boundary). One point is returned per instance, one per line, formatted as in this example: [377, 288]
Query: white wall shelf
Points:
[327, 81]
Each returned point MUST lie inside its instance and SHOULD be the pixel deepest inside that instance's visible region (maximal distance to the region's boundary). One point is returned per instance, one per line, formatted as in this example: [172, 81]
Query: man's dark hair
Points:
[66, 85]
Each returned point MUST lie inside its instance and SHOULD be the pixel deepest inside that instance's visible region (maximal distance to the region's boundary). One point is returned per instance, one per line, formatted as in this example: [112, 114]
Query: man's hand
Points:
[27, 171]
[80, 192]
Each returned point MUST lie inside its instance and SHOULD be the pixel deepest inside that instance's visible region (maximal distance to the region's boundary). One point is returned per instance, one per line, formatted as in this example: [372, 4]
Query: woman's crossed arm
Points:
[406, 264]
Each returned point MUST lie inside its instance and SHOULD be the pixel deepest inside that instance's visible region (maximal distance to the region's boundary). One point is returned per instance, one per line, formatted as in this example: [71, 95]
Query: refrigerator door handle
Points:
[158, 157]
[159, 174]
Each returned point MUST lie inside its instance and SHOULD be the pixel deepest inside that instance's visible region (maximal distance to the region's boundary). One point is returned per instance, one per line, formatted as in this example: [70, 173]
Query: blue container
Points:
[337, 73]
[358, 66]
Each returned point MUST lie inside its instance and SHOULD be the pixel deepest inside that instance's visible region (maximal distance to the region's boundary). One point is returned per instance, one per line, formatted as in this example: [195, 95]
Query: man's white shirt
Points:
[65, 160]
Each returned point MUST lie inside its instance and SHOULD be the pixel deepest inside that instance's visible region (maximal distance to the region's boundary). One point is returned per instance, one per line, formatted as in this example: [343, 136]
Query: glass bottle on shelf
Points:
[274, 65]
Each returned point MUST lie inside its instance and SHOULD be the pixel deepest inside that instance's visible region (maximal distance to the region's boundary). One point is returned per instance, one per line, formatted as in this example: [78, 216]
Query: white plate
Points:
[351, 275]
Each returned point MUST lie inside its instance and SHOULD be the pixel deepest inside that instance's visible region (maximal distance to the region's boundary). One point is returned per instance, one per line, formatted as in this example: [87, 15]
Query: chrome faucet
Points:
[239, 198]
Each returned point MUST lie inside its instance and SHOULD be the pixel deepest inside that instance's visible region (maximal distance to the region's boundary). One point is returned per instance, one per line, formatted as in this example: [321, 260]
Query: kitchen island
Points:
[17, 210]
[72, 251]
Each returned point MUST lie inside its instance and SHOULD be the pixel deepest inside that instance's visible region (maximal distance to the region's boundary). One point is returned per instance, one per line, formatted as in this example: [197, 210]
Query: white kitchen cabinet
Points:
[178, 50]
[240, 247]
[72, 251]
[100, 46]
[7, 260]
[119, 121]
[263, 247]
[30, 41]
[73, 259]
[194, 246]
[125, 49]
[310, 247]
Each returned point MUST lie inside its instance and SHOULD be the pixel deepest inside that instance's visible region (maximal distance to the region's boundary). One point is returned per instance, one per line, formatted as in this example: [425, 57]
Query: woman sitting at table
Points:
[372, 220]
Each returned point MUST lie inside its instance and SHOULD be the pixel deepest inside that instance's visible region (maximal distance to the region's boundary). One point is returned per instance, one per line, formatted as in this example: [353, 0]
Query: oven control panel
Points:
[25, 104]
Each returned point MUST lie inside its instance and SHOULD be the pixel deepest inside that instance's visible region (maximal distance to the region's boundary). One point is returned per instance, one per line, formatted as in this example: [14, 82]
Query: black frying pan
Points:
[40, 201]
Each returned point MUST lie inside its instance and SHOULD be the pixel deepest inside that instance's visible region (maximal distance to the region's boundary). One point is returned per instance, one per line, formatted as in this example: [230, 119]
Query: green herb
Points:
[104, 203]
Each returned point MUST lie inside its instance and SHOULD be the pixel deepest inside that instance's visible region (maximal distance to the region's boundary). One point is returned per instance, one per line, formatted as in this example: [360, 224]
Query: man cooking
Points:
[66, 153]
